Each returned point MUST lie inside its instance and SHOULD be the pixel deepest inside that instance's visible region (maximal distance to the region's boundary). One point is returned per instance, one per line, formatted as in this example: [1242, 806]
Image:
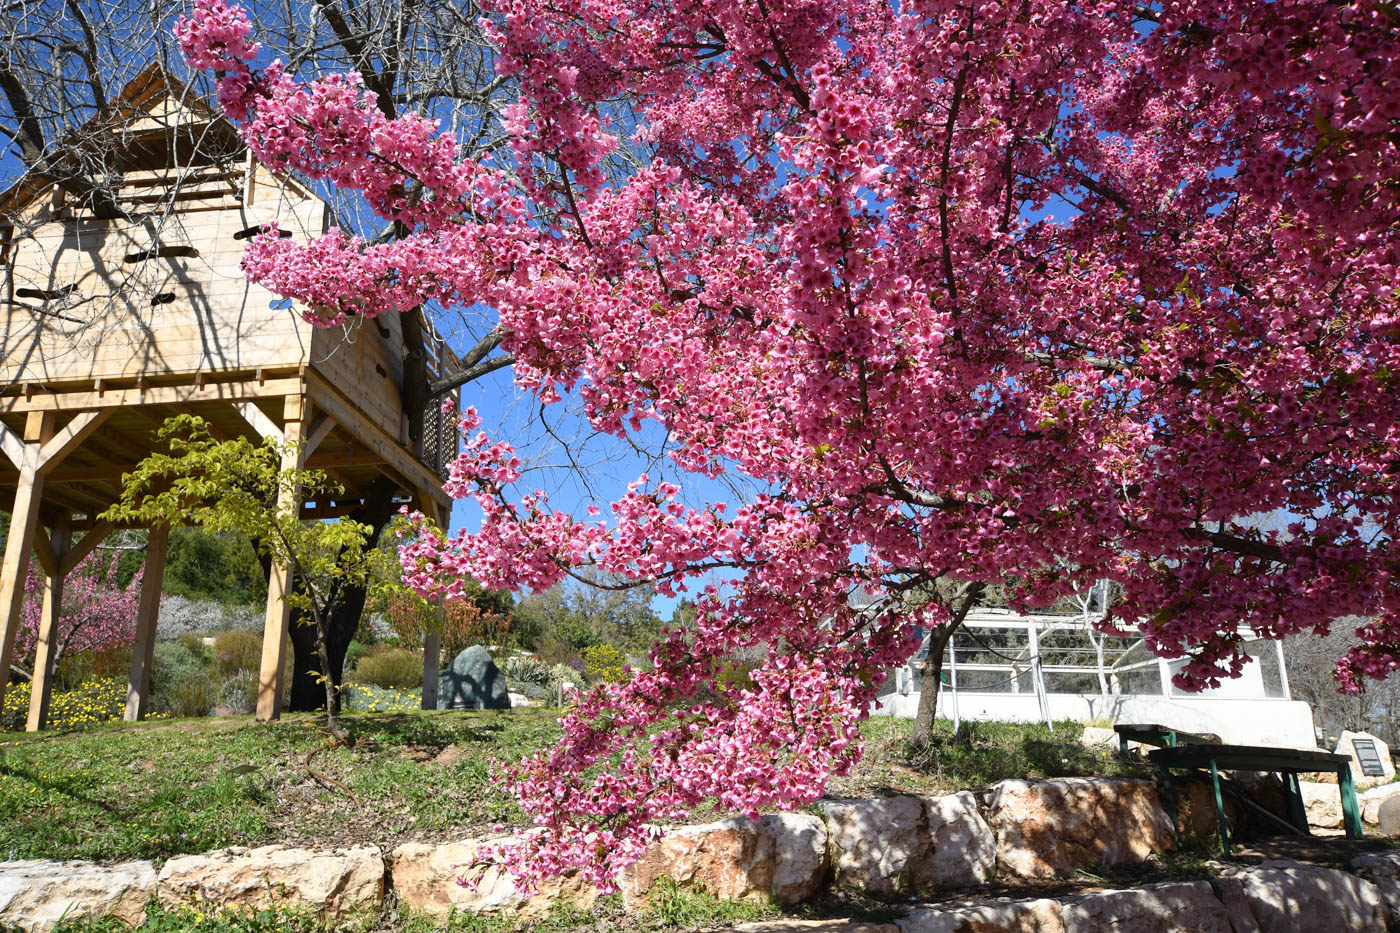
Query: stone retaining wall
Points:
[894, 847]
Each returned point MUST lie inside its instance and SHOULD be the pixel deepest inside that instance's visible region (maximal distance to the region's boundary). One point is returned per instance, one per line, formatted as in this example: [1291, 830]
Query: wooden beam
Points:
[153, 395]
[258, 420]
[317, 432]
[376, 438]
[279, 616]
[66, 441]
[24, 522]
[138, 682]
[12, 447]
[46, 648]
[89, 542]
[48, 556]
[330, 509]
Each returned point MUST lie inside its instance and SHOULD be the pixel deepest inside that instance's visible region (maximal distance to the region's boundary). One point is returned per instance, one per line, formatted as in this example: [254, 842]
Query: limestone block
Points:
[1371, 800]
[340, 883]
[427, 877]
[782, 856]
[1286, 896]
[1323, 803]
[1383, 870]
[1049, 827]
[36, 894]
[908, 845]
[1001, 916]
[1178, 907]
[1388, 816]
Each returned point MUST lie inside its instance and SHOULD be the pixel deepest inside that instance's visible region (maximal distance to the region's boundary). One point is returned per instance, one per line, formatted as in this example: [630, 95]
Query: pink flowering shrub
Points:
[1045, 291]
[96, 614]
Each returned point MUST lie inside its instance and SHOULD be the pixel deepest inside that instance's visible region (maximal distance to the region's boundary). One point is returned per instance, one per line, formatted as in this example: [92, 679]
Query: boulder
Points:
[1049, 827]
[1097, 737]
[1178, 907]
[1372, 799]
[1196, 817]
[1000, 916]
[907, 845]
[426, 877]
[1323, 803]
[1388, 816]
[472, 681]
[1346, 745]
[815, 926]
[782, 857]
[340, 884]
[1287, 896]
[1383, 870]
[35, 895]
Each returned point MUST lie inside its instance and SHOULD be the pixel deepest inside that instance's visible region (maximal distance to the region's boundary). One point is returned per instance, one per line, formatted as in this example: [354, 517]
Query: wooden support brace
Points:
[46, 649]
[24, 522]
[317, 432]
[138, 683]
[12, 446]
[260, 422]
[278, 617]
[95, 536]
[73, 434]
[47, 554]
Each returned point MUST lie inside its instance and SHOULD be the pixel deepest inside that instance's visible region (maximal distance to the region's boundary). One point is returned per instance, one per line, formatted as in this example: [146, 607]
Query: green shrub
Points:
[194, 644]
[237, 651]
[180, 684]
[239, 692]
[400, 668]
[191, 697]
[353, 652]
[603, 664]
[526, 668]
[565, 674]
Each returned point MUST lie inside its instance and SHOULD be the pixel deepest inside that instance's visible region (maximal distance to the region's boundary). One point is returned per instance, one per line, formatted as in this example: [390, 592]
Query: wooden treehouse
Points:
[116, 319]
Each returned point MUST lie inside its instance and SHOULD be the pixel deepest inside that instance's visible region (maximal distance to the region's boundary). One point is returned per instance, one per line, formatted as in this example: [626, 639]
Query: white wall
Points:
[1236, 721]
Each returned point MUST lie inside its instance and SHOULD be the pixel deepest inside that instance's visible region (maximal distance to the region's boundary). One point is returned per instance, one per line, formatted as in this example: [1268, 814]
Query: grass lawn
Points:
[160, 789]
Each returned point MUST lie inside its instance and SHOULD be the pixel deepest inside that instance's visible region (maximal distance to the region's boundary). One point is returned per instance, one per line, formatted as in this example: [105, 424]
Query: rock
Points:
[1048, 827]
[1323, 803]
[800, 862]
[425, 877]
[1001, 916]
[340, 883]
[1383, 870]
[517, 700]
[1286, 896]
[1196, 816]
[907, 845]
[1388, 816]
[1178, 907]
[36, 894]
[1372, 799]
[1098, 737]
[472, 681]
[1346, 745]
[815, 926]
[782, 857]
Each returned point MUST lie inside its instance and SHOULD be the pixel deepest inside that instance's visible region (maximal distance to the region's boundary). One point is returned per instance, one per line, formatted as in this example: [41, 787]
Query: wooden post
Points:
[278, 617]
[432, 642]
[138, 683]
[45, 653]
[24, 521]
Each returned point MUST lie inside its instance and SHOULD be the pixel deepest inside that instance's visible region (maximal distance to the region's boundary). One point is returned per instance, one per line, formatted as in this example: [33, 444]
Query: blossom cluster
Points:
[1041, 292]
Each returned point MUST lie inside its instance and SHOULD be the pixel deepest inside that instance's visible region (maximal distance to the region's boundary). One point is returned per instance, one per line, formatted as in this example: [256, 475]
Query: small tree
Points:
[239, 486]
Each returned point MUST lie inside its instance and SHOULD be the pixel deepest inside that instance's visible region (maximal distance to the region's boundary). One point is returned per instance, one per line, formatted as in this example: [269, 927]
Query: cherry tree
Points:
[97, 614]
[972, 290]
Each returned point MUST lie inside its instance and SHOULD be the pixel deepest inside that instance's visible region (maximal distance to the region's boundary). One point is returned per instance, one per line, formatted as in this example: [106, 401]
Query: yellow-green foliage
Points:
[237, 651]
[603, 664]
[400, 668]
[96, 701]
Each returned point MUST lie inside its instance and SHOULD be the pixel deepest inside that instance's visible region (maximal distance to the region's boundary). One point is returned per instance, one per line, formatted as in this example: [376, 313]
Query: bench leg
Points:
[1170, 792]
[1297, 810]
[1220, 808]
[1351, 814]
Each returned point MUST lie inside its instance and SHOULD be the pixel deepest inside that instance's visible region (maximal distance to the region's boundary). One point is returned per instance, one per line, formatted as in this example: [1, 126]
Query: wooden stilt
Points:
[432, 642]
[46, 650]
[138, 683]
[278, 614]
[24, 521]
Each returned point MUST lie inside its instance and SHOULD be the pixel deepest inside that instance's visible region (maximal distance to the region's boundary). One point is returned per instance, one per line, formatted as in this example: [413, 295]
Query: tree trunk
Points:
[342, 620]
[965, 599]
[928, 686]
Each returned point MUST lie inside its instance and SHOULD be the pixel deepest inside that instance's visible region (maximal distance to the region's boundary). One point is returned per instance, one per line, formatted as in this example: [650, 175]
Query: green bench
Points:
[1286, 761]
[1151, 733]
